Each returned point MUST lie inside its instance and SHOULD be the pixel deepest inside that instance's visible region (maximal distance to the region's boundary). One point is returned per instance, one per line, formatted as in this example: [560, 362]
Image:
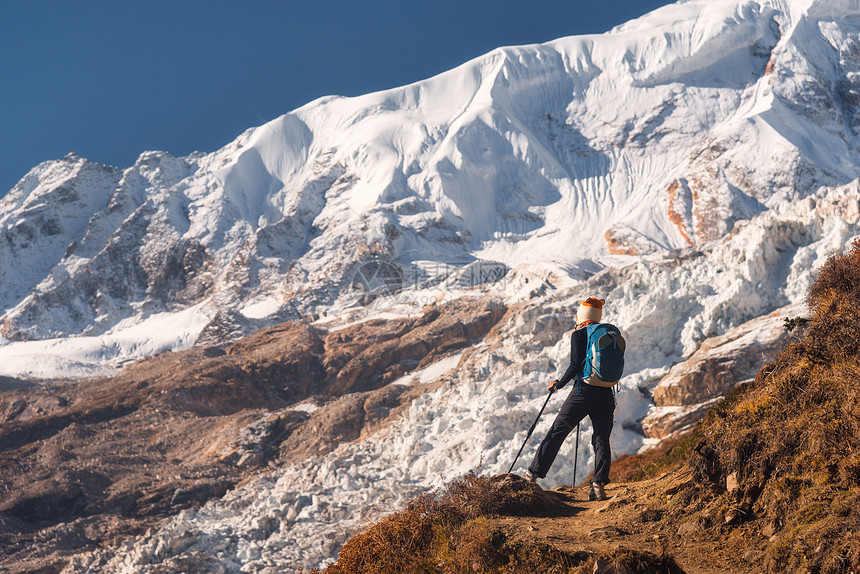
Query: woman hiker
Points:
[596, 402]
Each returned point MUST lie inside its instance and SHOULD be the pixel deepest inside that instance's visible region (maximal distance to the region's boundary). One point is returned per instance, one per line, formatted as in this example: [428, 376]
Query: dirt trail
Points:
[640, 516]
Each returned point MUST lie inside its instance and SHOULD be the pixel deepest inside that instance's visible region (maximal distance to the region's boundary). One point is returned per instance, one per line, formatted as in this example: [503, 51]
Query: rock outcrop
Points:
[719, 365]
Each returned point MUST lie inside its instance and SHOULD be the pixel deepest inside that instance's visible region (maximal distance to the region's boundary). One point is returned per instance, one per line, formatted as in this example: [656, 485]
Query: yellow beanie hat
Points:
[590, 310]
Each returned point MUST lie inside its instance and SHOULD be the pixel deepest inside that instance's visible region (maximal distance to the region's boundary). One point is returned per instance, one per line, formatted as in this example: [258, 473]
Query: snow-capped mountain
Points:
[660, 134]
[694, 167]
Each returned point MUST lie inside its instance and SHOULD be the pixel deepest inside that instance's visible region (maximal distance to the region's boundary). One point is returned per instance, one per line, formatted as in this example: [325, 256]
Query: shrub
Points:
[452, 531]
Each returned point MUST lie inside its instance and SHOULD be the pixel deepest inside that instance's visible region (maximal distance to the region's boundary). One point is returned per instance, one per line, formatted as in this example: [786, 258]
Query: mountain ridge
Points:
[523, 149]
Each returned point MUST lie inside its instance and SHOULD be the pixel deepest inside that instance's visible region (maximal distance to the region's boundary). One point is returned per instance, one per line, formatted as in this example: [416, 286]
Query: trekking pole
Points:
[575, 455]
[531, 430]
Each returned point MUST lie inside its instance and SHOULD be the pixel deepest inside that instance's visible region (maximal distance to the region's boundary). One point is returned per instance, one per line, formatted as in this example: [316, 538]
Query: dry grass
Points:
[453, 531]
[650, 463]
[792, 440]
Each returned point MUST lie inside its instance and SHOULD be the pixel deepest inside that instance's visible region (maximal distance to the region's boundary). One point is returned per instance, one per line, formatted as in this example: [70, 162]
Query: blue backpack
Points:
[604, 355]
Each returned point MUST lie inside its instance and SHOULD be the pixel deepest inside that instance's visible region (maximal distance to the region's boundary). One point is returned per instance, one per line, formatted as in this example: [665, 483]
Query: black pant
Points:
[596, 402]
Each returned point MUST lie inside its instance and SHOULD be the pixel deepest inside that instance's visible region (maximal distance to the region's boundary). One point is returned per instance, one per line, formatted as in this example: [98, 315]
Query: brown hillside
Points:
[785, 454]
[84, 463]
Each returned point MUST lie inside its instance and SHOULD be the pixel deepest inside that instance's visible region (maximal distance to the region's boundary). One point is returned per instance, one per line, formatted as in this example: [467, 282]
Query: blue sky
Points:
[110, 79]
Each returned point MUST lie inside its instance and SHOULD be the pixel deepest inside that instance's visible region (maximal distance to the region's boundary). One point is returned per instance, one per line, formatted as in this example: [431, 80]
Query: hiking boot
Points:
[597, 492]
[530, 476]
